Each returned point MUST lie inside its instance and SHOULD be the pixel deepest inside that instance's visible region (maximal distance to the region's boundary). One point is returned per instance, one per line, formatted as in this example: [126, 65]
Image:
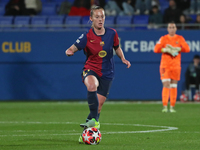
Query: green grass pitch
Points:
[124, 126]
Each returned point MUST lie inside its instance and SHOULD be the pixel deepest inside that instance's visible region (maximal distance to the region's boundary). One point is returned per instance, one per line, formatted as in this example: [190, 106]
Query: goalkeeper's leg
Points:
[175, 76]
[165, 94]
[173, 95]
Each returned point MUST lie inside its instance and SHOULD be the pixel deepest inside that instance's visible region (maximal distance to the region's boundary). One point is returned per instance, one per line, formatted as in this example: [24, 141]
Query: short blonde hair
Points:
[93, 9]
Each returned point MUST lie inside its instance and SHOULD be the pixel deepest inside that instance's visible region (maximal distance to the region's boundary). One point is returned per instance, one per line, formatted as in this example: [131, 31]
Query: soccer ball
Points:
[91, 136]
[196, 97]
[183, 98]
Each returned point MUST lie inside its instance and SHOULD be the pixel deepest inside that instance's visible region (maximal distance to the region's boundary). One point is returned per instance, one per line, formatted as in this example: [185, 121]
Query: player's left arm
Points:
[119, 51]
[120, 54]
[184, 46]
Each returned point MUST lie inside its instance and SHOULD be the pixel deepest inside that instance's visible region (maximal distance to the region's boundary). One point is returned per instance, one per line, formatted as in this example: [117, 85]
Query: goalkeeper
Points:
[171, 46]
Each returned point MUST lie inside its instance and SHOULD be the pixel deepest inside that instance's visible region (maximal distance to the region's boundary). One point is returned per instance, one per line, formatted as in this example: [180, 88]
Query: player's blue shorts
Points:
[104, 85]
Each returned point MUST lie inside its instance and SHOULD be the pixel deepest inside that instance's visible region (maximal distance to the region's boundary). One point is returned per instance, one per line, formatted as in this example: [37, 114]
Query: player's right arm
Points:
[70, 51]
[159, 45]
[78, 45]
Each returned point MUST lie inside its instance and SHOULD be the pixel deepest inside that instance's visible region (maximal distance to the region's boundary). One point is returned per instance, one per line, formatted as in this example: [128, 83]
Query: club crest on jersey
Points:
[176, 42]
[102, 53]
[102, 43]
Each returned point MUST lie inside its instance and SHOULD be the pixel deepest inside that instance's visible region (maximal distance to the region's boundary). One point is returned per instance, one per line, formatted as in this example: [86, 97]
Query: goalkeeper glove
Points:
[171, 50]
[175, 49]
[168, 50]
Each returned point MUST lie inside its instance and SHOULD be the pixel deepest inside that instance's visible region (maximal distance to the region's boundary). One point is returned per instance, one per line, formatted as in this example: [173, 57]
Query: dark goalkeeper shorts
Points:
[104, 85]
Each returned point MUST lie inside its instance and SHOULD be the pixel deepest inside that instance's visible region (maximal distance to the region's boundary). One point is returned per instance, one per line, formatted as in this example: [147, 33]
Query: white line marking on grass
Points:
[165, 128]
[158, 130]
[33, 135]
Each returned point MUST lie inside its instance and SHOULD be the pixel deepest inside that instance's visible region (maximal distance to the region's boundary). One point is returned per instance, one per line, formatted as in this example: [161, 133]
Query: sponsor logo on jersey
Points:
[102, 43]
[92, 41]
[102, 53]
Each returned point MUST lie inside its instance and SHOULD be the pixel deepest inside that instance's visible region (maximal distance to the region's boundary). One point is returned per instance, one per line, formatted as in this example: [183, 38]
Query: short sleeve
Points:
[116, 41]
[81, 41]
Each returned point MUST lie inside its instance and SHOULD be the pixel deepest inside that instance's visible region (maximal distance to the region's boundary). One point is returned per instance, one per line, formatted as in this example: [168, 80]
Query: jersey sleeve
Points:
[184, 46]
[159, 45]
[81, 41]
[116, 41]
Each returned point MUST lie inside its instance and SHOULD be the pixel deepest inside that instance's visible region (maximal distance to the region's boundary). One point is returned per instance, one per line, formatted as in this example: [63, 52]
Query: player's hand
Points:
[69, 52]
[169, 51]
[126, 62]
[174, 50]
[169, 46]
[177, 49]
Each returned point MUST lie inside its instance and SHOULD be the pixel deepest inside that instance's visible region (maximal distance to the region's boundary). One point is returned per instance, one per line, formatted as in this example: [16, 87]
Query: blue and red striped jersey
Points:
[99, 51]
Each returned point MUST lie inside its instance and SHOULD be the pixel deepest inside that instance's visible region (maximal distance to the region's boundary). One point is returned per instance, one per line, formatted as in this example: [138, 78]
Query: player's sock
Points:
[89, 117]
[98, 115]
[173, 94]
[165, 96]
[93, 104]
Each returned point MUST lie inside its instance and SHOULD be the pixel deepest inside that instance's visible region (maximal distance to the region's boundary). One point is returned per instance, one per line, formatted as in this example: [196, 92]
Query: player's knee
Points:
[166, 85]
[173, 85]
[92, 87]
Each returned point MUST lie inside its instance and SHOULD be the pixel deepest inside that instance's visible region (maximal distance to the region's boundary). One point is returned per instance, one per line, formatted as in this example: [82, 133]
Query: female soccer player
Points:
[98, 71]
[171, 46]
